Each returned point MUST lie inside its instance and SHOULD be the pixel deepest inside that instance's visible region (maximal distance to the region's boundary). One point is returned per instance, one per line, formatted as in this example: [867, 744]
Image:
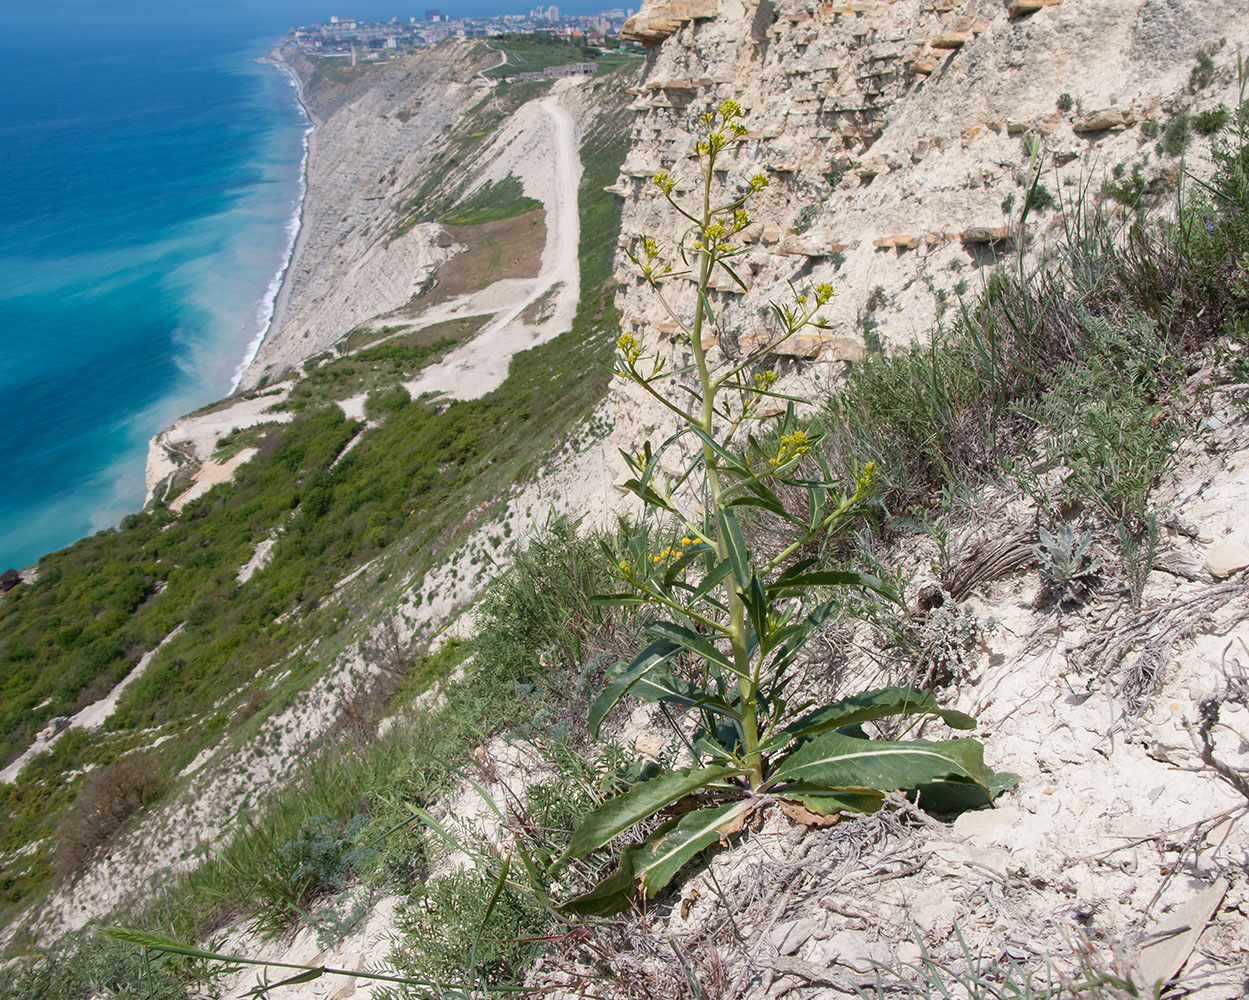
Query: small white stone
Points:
[1226, 558]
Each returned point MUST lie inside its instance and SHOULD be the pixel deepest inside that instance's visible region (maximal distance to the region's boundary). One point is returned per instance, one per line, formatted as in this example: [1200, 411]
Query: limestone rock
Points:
[951, 40]
[1226, 558]
[1021, 7]
[1101, 121]
[656, 21]
[985, 234]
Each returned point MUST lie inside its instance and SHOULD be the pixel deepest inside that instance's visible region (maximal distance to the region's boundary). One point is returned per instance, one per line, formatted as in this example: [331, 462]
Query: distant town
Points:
[345, 37]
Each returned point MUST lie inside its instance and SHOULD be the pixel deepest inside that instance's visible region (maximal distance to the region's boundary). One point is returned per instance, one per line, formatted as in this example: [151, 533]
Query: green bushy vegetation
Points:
[490, 203]
[1076, 366]
[402, 491]
[529, 52]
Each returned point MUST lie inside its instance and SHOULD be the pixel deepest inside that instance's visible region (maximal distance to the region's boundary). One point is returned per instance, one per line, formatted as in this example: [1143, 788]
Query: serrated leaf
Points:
[641, 801]
[833, 761]
[866, 707]
[668, 852]
[735, 545]
[654, 655]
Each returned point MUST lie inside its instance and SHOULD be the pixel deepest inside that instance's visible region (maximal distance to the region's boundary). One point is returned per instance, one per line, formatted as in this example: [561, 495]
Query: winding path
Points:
[480, 365]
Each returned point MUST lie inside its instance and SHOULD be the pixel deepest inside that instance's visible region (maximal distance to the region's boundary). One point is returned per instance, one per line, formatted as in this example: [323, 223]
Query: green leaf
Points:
[612, 894]
[960, 796]
[711, 580]
[640, 802]
[735, 546]
[823, 804]
[658, 686]
[647, 494]
[687, 557]
[756, 604]
[300, 977]
[833, 761]
[784, 586]
[657, 653]
[728, 460]
[615, 600]
[766, 504]
[733, 274]
[669, 851]
[691, 640]
[793, 638]
[866, 707]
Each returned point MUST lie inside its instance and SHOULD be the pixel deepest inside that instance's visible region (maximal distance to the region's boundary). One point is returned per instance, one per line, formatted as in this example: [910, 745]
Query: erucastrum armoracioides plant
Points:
[731, 623]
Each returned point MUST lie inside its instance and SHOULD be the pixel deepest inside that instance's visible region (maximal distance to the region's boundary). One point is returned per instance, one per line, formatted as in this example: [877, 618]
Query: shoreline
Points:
[278, 293]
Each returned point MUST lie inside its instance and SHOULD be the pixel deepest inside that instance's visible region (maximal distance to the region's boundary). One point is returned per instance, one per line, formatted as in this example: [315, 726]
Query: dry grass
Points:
[110, 797]
[508, 248]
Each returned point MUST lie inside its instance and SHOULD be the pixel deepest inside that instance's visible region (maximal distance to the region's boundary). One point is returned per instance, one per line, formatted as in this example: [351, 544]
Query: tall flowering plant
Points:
[730, 622]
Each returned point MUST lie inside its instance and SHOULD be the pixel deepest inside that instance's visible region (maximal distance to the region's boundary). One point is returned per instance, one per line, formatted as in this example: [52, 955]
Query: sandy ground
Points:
[481, 365]
[192, 439]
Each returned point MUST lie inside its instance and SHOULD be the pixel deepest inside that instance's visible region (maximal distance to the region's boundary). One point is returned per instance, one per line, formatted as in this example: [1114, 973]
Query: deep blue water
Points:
[149, 172]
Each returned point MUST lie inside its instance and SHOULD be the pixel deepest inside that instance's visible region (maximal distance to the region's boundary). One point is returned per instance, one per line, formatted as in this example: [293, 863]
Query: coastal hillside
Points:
[813, 566]
[305, 539]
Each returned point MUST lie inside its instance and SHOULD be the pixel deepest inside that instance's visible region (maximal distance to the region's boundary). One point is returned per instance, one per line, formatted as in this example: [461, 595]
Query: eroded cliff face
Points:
[374, 139]
[897, 135]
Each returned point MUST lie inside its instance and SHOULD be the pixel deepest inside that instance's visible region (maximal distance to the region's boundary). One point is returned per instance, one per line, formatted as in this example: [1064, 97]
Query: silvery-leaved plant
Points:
[742, 619]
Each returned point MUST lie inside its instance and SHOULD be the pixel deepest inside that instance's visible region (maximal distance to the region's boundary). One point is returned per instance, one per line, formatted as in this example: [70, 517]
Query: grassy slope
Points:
[401, 493]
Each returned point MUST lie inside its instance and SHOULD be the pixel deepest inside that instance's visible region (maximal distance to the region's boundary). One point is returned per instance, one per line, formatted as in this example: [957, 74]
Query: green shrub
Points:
[1065, 102]
[1211, 120]
[1039, 198]
[1067, 563]
[1202, 74]
[806, 217]
[731, 620]
[1176, 135]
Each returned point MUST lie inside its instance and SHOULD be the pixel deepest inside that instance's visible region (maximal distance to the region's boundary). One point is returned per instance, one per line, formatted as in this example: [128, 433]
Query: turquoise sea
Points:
[150, 179]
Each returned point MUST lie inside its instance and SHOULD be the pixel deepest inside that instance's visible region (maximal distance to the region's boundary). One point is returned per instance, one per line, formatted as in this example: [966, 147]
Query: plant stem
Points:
[737, 631]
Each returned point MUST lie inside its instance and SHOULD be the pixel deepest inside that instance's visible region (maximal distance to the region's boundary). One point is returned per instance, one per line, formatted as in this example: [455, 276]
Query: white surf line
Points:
[90, 717]
[481, 365]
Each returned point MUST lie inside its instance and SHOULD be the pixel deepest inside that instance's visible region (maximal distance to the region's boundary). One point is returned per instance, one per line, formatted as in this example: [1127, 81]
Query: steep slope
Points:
[898, 135]
[304, 536]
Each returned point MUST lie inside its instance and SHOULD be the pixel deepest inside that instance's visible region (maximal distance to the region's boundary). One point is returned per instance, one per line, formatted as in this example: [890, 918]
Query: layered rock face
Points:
[898, 136]
[374, 136]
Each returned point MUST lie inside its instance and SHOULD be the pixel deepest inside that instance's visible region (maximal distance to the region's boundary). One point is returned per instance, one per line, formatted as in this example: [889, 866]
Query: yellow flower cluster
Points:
[629, 347]
[863, 484]
[765, 380]
[792, 445]
[672, 553]
[664, 182]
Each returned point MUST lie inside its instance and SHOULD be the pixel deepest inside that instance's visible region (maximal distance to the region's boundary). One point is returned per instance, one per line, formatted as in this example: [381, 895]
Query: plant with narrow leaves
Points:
[731, 623]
